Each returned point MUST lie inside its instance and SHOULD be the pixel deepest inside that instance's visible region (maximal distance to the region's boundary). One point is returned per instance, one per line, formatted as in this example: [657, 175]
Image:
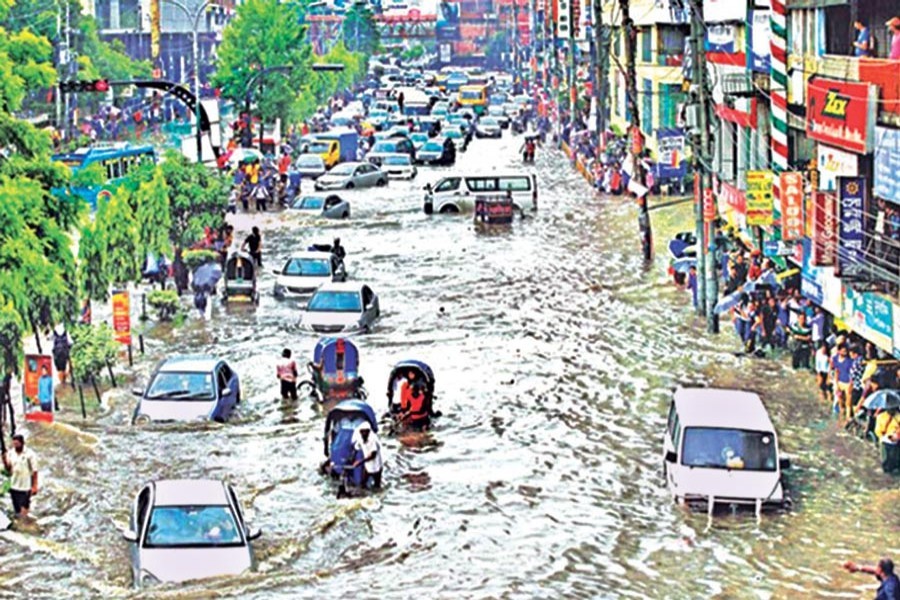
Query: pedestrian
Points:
[823, 362]
[856, 374]
[253, 244]
[21, 464]
[61, 347]
[894, 26]
[286, 371]
[841, 365]
[801, 334]
[884, 571]
[863, 45]
[45, 390]
[368, 454]
[887, 430]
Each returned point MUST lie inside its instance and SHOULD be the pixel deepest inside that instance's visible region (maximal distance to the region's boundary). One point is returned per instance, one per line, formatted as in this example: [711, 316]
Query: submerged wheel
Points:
[382, 182]
[350, 185]
[449, 209]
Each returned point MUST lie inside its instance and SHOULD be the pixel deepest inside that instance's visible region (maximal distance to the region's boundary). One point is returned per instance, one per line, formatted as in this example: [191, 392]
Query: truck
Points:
[347, 139]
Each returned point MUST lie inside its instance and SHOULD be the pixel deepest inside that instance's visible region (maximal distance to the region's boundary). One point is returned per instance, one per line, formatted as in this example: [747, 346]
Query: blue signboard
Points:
[759, 55]
[810, 277]
[870, 315]
[671, 164]
[887, 164]
[720, 38]
[447, 26]
[851, 204]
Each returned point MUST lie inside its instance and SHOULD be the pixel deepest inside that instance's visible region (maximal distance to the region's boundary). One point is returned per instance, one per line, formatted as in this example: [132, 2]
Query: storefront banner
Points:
[716, 11]
[733, 204]
[759, 54]
[871, 316]
[122, 316]
[791, 206]
[37, 366]
[671, 163]
[824, 232]
[819, 283]
[720, 38]
[887, 164]
[852, 202]
[759, 198]
[834, 163]
[842, 113]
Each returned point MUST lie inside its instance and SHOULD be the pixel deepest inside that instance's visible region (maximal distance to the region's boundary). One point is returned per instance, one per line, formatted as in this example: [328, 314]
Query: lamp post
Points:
[194, 18]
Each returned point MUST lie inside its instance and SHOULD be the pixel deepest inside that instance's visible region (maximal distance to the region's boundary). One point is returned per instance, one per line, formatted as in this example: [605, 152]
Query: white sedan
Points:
[341, 308]
[303, 273]
[349, 175]
[398, 166]
[185, 529]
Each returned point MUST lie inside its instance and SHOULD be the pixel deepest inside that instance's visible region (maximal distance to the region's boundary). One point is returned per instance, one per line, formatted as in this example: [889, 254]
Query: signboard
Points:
[852, 202]
[37, 395]
[871, 316]
[716, 11]
[445, 53]
[777, 248]
[759, 55]
[447, 24]
[575, 19]
[563, 13]
[759, 198]
[121, 306]
[720, 38]
[670, 151]
[824, 236]
[887, 164]
[709, 206]
[154, 34]
[842, 113]
[819, 283]
[791, 206]
[834, 163]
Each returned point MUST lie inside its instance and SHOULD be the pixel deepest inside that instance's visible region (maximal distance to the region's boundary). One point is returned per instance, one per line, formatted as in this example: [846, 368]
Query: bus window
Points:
[482, 184]
[516, 184]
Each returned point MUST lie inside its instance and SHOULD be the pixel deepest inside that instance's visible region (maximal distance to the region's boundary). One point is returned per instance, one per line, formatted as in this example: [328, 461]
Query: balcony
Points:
[879, 71]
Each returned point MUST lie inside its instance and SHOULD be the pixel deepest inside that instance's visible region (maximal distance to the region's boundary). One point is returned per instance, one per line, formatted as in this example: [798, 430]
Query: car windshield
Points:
[181, 386]
[192, 527]
[385, 147]
[470, 95]
[317, 147]
[342, 169]
[309, 161]
[718, 448]
[433, 147]
[419, 137]
[335, 302]
[311, 202]
[378, 114]
[453, 133]
[489, 121]
[496, 110]
[307, 267]
[403, 159]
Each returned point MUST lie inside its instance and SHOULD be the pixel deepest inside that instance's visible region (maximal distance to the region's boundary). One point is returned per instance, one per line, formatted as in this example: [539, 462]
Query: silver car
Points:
[398, 166]
[310, 165]
[185, 529]
[351, 175]
[488, 127]
[341, 308]
[328, 207]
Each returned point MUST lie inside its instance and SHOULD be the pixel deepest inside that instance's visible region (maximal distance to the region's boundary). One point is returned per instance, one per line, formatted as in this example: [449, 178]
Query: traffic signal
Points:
[97, 86]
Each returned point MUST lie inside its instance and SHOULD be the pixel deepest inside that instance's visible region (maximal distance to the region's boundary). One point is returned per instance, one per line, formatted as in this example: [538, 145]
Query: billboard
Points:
[670, 151]
[791, 206]
[852, 203]
[447, 24]
[121, 306]
[887, 164]
[37, 385]
[759, 198]
[759, 53]
[834, 163]
[842, 113]
[824, 234]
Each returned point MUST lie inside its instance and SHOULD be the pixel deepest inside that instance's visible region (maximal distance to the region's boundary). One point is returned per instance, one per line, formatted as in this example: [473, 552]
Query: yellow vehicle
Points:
[474, 97]
[329, 150]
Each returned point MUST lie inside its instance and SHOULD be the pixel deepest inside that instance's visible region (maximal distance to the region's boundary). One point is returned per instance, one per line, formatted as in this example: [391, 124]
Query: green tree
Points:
[360, 31]
[93, 280]
[153, 215]
[118, 232]
[197, 199]
[265, 34]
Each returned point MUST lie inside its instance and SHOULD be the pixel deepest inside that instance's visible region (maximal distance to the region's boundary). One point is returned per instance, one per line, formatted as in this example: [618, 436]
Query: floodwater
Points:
[555, 357]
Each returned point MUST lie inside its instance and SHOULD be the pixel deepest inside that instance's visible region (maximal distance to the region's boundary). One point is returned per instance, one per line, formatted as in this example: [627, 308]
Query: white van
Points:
[456, 194]
[721, 448]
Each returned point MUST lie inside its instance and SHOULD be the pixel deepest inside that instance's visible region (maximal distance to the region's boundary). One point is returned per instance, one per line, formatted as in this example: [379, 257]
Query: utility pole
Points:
[515, 45]
[599, 60]
[707, 282]
[637, 174]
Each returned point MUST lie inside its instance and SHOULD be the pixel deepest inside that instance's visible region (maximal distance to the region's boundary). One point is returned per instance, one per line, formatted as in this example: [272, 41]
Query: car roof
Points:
[394, 155]
[341, 286]
[181, 492]
[712, 407]
[309, 155]
[189, 363]
[311, 254]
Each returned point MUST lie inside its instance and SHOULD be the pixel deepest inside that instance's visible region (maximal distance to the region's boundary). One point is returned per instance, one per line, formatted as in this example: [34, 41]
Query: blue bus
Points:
[117, 159]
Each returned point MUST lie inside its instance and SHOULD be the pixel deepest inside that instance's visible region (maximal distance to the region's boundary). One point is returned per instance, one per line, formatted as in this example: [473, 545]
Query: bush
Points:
[92, 348]
[195, 258]
[165, 302]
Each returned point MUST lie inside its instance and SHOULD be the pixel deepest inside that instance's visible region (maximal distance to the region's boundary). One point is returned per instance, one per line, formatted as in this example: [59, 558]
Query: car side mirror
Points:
[671, 457]
[784, 463]
[253, 533]
[226, 391]
[130, 535]
[139, 392]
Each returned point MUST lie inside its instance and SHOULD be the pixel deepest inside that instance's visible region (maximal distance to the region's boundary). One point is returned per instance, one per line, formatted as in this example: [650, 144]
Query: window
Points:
[448, 185]
[717, 448]
[516, 184]
[192, 526]
[671, 46]
[181, 386]
[647, 107]
[671, 99]
[647, 44]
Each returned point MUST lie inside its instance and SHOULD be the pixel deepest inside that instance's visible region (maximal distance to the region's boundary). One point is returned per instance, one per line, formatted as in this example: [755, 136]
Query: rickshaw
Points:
[494, 210]
[334, 372]
[340, 424]
[240, 278]
[422, 381]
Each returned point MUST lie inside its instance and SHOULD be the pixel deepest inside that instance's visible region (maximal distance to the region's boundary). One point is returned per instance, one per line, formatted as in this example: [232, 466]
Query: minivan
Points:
[456, 194]
[720, 447]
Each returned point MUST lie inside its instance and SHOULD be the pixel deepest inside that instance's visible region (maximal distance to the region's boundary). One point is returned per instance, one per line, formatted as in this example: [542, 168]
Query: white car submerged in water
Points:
[349, 307]
[304, 272]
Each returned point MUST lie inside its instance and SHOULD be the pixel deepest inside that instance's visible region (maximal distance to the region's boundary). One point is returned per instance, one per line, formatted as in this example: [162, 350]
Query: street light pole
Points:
[194, 18]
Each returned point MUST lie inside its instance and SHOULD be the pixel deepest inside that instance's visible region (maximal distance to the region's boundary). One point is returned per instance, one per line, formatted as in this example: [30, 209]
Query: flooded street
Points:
[555, 357]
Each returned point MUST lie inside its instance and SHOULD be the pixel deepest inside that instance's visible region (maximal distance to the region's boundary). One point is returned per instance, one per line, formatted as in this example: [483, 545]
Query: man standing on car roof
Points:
[21, 465]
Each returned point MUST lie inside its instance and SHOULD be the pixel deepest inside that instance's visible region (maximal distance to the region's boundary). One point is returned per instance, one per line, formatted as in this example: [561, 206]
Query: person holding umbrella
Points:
[887, 430]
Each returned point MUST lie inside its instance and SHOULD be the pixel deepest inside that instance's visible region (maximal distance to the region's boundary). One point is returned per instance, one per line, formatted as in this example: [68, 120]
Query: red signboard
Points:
[709, 206]
[791, 206]
[824, 247]
[36, 407]
[733, 198]
[842, 113]
[122, 316]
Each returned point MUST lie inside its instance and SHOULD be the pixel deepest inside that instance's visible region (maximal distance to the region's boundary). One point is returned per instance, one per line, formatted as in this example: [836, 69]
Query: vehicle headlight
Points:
[142, 419]
[148, 578]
